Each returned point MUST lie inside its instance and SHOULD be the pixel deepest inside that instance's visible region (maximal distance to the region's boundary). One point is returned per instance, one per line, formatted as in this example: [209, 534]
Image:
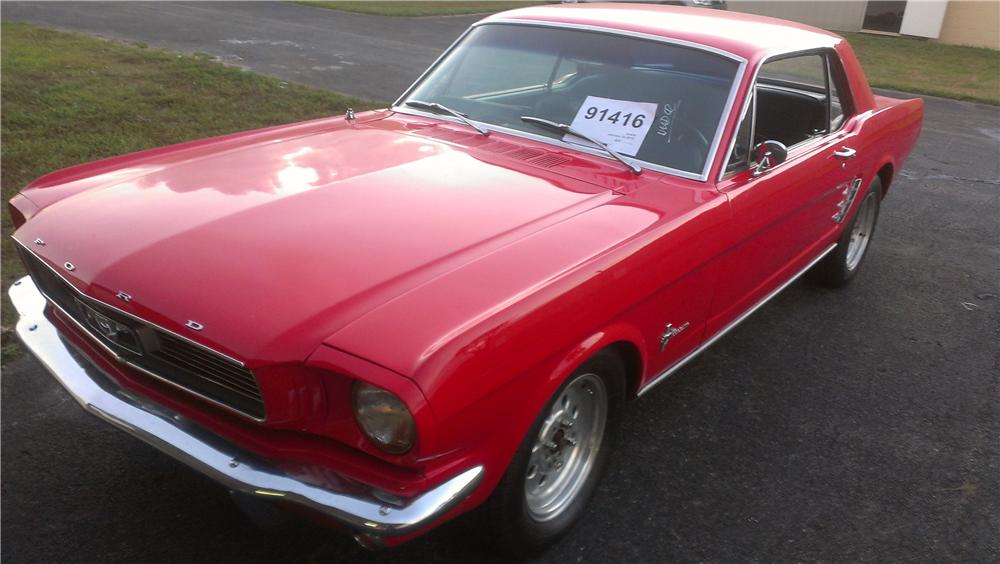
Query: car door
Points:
[783, 214]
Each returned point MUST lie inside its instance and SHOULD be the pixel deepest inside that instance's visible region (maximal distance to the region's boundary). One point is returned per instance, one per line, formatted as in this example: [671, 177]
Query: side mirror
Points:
[768, 155]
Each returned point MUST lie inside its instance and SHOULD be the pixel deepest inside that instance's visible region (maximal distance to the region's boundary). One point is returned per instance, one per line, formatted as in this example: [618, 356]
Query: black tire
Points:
[836, 270]
[507, 521]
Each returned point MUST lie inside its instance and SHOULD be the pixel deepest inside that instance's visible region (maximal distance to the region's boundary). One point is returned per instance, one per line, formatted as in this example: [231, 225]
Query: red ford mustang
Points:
[388, 319]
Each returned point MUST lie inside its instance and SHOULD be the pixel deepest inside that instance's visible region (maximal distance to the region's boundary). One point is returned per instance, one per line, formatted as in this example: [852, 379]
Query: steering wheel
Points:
[692, 137]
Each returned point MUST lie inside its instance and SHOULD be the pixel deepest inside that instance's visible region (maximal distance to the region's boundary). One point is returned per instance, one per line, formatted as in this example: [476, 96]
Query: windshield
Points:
[659, 103]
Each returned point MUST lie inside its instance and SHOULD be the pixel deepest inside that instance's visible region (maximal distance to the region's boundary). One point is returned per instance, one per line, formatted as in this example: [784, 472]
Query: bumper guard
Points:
[207, 452]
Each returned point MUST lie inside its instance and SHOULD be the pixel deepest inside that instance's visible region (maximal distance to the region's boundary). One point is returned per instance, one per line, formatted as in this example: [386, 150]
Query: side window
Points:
[792, 97]
[738, 158]
[796, 98]
[838, 110]
[807, 71]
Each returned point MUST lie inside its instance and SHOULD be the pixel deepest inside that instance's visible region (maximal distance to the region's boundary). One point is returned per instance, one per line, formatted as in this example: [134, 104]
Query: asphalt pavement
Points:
[854, 425]
[369, 56]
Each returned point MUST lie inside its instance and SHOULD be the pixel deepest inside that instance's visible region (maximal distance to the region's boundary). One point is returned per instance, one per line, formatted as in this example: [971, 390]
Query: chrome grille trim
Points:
[134, 317]
[193, 361]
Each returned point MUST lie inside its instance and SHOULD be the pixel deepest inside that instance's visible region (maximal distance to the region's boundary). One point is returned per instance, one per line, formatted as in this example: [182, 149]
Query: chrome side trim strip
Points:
[211, 454]
[680, 363]
[719, 130]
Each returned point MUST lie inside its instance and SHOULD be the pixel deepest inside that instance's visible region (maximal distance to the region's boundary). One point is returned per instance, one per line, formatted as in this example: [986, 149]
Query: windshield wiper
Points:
[441, 108]
[562, 127]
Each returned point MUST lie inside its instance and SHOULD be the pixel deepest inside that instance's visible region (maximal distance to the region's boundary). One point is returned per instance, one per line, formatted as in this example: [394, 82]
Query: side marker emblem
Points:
[123, 296]
[40, 242]
[670, 332]
[849, 193]
[69, 266]
[194, 325]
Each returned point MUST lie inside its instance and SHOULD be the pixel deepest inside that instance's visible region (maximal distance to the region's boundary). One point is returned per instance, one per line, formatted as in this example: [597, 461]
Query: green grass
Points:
[69, 99]
[924, 67]
[410, 9]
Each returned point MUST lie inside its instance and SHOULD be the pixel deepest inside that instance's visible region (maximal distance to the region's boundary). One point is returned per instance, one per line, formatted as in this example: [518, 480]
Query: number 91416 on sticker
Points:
[622, 125]
[635, 120]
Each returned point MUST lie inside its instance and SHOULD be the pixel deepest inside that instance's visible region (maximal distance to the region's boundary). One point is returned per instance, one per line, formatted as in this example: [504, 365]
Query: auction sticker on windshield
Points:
[620, 124]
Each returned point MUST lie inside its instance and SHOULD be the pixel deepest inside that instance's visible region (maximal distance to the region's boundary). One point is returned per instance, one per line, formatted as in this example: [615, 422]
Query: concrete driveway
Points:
[860, 424]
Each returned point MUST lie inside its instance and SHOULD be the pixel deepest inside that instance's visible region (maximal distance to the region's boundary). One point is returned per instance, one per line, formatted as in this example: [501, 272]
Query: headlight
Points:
[384, 418]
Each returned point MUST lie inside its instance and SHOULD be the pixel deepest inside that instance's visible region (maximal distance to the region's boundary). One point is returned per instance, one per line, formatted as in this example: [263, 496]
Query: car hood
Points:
[275, 240]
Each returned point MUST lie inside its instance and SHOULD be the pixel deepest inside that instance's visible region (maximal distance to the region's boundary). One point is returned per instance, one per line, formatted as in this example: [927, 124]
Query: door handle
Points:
[845, 153]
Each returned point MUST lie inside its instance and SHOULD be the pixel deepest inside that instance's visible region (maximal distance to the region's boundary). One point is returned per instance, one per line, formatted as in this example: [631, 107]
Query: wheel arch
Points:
[885, 175]
[525, 395]
[624, 340]
[631, 358]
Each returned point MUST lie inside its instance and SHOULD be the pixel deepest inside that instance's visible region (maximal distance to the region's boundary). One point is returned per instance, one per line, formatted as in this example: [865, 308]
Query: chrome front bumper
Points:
[206, 451]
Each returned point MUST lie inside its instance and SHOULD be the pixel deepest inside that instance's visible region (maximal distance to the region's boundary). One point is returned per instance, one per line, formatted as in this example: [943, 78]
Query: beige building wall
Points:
[924, 18]
[835, 15]
[975, 23]
[965, 22]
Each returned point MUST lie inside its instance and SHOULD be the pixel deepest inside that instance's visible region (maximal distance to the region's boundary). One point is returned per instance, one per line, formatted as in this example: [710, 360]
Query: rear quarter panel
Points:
[889, 135]
[889, 127]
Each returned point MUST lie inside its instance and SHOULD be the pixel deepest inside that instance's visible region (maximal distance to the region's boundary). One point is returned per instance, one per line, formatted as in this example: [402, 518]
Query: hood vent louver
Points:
[499, 147]
[524, 154]
[549, 160]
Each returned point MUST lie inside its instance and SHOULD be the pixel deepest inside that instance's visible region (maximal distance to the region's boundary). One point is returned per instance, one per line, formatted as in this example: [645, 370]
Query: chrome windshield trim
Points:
[732, 140]
[614, 31]
[214, 455]
[670, 370]
[433, 65]
[720, 128]
[125, 313]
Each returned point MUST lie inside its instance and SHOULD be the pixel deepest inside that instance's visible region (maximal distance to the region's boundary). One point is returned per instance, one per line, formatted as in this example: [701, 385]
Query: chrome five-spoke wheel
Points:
[861, 231]
[566, 448]
[559, 462]
[844, 262]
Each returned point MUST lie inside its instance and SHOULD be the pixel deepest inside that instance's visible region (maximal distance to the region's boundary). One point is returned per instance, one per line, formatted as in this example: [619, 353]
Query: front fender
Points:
[489, 431]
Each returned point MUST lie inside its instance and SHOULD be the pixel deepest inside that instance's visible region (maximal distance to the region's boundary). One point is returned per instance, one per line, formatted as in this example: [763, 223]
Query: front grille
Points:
[151, 349]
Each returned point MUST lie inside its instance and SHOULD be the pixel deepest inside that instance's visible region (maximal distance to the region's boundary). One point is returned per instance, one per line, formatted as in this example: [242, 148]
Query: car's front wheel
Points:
[557, 467]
